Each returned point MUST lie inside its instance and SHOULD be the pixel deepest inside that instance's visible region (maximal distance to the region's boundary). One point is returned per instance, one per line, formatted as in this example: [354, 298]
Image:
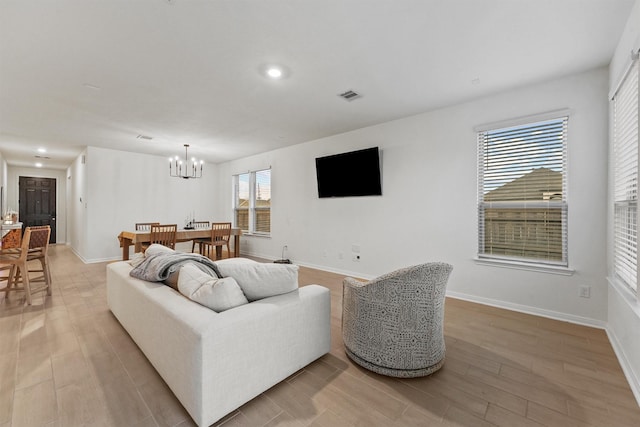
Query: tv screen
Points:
[356, 173]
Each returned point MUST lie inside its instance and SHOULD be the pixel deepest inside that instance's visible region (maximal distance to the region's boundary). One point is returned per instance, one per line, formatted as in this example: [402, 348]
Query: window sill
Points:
[247, 233]
[626, 293]
[518, 265]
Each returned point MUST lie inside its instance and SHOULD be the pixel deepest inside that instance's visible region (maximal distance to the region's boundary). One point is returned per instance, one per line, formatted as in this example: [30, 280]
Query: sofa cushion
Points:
[260, 280]
[157, 249]
[216, 294]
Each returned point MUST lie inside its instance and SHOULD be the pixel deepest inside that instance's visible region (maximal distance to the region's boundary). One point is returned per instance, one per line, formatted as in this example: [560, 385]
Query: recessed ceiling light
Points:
[38, 165]
[42, 150]
[274, 72]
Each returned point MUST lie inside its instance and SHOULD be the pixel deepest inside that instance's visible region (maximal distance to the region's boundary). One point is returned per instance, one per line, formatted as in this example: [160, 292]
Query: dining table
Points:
[138, 238]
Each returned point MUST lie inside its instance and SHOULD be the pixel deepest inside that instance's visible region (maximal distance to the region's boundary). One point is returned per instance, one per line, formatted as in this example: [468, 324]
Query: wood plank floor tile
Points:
[138, 366]
[440, 386]
[505, 418]
[456, 416]
[329, 419]
[285, 420]
[33, 368]
[165, 407]
[8, 367]
[384, 403]
[70, 368]
[556, 399]
[79, 404]
[548, 417]
[34, 405]
[62, 343]
[259, 409]
[414, 417]
[123, 402]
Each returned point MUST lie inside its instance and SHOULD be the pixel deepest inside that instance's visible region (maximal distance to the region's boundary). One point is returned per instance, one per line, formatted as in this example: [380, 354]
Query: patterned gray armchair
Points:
[393, 325]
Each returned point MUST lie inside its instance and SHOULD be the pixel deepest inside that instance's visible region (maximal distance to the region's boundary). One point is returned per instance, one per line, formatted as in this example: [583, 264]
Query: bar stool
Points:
[35, 246]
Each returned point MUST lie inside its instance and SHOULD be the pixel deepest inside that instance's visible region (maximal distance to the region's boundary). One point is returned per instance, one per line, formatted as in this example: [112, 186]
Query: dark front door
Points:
[38, 203]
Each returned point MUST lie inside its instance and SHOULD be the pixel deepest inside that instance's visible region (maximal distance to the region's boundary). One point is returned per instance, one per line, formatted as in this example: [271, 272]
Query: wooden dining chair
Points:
[199, 225]
[220, 236]
[145, 226]
[35, 247]
[164, 234]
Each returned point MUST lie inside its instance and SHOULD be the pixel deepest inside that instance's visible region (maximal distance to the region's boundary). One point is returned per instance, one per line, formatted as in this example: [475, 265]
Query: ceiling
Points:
[94, 72]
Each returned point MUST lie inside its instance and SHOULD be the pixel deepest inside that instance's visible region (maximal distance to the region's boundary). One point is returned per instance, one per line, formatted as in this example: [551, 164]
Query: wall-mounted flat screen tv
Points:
[356, 173]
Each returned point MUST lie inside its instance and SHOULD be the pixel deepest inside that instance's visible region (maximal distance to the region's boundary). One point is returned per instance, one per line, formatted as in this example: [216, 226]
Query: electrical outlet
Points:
[340, 255]
[585, 291]
[355, 249]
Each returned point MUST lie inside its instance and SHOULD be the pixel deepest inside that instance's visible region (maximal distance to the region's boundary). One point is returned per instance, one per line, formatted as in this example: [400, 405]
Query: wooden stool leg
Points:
[9, 278]
[24, 272]
[47, 274]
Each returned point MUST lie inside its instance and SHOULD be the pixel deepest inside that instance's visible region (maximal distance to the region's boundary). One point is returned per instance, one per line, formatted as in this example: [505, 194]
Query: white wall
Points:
[13, 175]
[623, 307]
[428, 208]
[120, 188]
[3, 184]
[76, 182]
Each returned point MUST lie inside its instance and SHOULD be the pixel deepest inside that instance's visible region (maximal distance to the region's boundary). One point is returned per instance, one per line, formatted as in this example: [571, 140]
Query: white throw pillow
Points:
[216, 294]
[259, 280]
[157, 249]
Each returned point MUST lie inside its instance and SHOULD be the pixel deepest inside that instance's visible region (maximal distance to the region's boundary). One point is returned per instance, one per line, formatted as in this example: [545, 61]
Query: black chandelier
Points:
[187, 170]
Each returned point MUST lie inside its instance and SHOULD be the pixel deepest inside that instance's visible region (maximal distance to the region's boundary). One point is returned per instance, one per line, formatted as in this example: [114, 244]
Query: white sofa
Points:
[215, 362]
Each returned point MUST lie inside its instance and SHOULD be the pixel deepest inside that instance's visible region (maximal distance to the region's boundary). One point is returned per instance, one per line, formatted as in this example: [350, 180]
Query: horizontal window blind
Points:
[263, 201]
[625, 147]
[522, 209]
[241, 198]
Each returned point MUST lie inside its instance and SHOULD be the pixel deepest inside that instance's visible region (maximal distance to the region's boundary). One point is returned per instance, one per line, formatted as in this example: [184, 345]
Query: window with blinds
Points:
[252, 201]
[522, 207]
[625, 154]
[262, 210]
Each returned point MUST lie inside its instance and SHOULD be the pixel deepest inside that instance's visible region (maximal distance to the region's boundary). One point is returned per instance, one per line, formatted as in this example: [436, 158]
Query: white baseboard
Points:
[556, 315]
[95, 260]
[632, 379]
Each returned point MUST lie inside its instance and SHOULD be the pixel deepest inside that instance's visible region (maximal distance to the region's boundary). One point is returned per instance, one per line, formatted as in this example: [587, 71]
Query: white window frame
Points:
[525, 263]
[626, 99]
[253, 209]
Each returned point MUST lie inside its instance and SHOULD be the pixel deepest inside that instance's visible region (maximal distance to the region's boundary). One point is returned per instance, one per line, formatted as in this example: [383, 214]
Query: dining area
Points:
[207, 238]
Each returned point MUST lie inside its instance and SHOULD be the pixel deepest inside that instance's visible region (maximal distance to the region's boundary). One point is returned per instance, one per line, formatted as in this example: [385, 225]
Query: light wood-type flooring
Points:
[66, 361]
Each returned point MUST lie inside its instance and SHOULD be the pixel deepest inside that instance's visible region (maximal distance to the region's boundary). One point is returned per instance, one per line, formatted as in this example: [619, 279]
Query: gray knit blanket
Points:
[158, 267]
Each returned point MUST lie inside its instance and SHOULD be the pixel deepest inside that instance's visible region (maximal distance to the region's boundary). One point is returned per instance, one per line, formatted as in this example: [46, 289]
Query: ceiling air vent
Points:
[145, 137]
[350, 95]
[42, 157]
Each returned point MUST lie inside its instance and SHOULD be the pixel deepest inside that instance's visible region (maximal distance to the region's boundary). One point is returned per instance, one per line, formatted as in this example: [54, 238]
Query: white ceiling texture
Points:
[101, 72]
